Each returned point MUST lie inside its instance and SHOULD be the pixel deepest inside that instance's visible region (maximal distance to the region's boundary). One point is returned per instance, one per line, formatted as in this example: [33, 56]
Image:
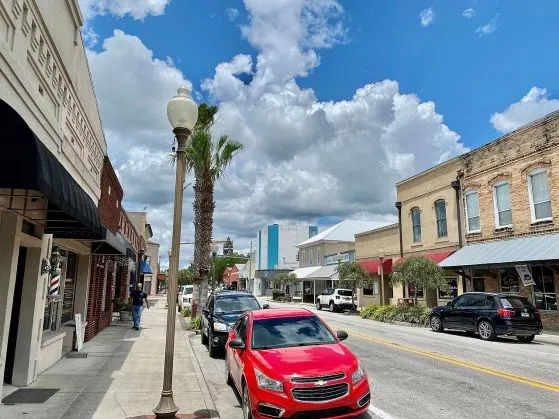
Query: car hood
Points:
[228, 318]
[311, 361]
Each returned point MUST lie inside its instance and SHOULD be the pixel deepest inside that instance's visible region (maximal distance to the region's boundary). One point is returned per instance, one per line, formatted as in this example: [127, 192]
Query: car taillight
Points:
[337, 297]
[505, 314]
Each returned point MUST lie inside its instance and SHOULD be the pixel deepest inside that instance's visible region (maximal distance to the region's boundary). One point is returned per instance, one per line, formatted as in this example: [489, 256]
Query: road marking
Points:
[380, 413]
[506, 375]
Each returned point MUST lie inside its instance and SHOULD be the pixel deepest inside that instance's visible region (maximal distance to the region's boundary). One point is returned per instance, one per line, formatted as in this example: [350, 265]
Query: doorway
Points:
[14, 321]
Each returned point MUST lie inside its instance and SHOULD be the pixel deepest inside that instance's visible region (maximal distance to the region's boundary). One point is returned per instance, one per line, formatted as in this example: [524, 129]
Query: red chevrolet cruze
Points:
[286, 363]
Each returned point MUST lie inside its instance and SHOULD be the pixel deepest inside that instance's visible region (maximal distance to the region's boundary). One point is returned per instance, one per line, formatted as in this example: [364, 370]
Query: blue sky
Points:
[346, 98]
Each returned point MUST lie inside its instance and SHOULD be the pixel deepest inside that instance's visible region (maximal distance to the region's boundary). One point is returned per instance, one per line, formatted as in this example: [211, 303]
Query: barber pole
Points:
[55, 282]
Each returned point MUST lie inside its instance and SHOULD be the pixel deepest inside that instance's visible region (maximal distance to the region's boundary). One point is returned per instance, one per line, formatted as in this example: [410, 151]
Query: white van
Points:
[185, 296]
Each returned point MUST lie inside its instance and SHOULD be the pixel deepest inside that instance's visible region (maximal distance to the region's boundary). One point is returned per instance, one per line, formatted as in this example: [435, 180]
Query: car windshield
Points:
[235, 304]
[346, 293]
[284, 332]
[187, 290]
[515, 302]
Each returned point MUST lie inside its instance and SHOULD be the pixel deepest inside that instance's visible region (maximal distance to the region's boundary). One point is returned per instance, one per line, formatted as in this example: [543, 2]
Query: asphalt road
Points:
[415, 373]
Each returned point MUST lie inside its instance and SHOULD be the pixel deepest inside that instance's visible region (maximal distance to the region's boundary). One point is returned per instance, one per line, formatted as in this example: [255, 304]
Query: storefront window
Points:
[452, 291]
[372, 291]
[509, 280]
[69, 287]
[544, 291]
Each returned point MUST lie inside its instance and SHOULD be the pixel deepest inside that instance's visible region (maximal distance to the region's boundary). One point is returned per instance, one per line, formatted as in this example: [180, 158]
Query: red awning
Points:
[436, 257]
[373, 266]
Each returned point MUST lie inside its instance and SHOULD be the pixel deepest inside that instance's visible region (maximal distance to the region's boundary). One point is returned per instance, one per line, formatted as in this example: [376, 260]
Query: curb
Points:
[208, 401]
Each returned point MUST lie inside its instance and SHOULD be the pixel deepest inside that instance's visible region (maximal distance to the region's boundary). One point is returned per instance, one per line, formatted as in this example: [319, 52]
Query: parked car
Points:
[288, 363]
[221, 312]
[490, 315]
[335, 299]
[185, 296]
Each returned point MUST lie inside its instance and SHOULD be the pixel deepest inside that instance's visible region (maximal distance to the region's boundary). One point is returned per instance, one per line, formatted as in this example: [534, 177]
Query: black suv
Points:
[222, 311]
[490, 315]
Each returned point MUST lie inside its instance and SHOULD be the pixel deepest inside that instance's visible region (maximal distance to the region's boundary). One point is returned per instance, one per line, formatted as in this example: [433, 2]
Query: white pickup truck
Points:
[185, 296]
[335, 299]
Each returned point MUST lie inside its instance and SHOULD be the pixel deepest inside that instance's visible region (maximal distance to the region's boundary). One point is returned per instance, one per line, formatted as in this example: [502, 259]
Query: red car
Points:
[287, 363]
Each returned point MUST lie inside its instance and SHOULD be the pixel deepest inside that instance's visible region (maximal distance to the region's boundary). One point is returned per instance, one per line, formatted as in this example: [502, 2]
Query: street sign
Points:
[525, 275]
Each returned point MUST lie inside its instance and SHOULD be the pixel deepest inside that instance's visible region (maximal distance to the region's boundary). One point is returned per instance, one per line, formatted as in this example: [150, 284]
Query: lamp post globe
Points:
[182, 111]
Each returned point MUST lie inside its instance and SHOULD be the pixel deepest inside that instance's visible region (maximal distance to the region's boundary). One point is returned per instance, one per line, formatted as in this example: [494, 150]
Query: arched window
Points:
[416, 223]
[538, 192]
[440, 213]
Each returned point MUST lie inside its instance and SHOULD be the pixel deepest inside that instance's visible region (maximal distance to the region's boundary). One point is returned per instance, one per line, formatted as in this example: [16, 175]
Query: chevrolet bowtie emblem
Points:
[321, 382]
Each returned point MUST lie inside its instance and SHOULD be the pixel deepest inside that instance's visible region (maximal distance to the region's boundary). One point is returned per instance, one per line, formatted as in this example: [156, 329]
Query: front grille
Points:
[315, 379]
[320, 394]
[322, 414]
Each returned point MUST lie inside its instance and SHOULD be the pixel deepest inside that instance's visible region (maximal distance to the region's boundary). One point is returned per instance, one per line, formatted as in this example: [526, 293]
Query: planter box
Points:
[125, 316]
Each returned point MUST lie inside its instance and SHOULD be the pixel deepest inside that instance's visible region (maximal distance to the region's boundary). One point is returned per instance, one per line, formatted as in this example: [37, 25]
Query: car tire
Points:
[318, 305]
[332, 307]
[203, 337]
[247, 410]
[526, 339]
[228, 379]
[436, 323]
[486, 330]
[212, 350]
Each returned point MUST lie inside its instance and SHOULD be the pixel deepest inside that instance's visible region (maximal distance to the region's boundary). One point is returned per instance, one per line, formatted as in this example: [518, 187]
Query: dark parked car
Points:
[490, 315]
[222, 311]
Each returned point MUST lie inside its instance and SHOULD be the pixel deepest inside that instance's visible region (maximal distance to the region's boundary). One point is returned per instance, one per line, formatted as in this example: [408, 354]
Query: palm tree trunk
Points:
[196, 261]
[204, 216]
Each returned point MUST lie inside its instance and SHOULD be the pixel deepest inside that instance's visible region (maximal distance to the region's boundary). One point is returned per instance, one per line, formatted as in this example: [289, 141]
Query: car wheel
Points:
[247, 411]
[486, 330]
[228, 379]
[203, 337]
[526, 339]
[436, 324]
[212, 350]
[318, 305]
[332, 307]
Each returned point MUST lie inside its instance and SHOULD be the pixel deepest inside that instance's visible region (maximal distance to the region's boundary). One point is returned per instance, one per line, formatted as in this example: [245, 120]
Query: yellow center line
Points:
[506, 375]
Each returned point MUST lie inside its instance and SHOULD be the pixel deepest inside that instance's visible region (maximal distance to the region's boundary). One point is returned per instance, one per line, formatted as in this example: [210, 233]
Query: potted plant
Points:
[125, 310]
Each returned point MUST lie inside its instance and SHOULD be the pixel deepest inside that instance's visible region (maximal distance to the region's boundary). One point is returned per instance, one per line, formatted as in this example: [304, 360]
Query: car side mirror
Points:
[341, 334]
[237, 343]
[266, 306]
[206, 312]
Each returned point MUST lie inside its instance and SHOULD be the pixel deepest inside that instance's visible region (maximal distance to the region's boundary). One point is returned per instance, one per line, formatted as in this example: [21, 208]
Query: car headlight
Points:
[267, 383]
[358, 375]
[220, 327]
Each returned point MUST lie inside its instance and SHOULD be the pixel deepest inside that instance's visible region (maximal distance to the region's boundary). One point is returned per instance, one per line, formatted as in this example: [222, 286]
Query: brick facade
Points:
[512, 158]
[101, 294]
[111, 198]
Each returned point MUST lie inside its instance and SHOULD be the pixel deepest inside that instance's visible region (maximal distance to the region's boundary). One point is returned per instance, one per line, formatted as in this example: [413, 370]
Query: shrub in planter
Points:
[187, 311]
[125, 310]
[194, 324]
[278, 295]
[368, 311]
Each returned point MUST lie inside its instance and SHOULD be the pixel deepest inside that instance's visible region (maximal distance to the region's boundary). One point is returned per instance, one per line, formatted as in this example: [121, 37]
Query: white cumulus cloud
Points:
[304, 158]
[535, 104]
[232, 13]
[489, 28]
[469, 13]
[138, 9]
[427, 16]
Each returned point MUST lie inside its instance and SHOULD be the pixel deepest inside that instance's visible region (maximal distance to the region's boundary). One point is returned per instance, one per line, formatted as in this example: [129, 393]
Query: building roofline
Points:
[429, 170]
[376, 230]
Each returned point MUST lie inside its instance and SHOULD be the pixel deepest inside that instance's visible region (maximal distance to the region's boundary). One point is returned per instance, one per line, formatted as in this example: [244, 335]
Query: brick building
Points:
[510, 190]
[113, 260]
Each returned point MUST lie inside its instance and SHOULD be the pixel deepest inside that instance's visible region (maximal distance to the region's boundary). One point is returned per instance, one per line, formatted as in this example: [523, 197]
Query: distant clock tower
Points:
[228, 247]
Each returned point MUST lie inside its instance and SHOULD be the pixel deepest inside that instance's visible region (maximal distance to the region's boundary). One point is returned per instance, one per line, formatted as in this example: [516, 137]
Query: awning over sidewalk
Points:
[145, 268]
[112, 244]
[373, 266]
[303, 273]
[436, 257]
[538, 248]
[311, 273]
[27, 164]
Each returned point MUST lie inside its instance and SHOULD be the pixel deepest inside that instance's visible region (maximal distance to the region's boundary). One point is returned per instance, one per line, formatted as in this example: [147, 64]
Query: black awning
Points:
[130, 252]
[26, 163]
[111, 244]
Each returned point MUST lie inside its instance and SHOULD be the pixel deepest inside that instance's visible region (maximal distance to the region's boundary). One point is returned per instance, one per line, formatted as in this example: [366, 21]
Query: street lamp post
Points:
[215, 248]
[182, 112]
[381, 255]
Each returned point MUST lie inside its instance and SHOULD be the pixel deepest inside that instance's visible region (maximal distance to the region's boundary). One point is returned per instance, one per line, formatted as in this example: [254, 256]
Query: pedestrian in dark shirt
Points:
[138, 297]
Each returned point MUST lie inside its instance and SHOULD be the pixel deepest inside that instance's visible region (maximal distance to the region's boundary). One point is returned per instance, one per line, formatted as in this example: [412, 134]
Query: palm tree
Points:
[209, 161]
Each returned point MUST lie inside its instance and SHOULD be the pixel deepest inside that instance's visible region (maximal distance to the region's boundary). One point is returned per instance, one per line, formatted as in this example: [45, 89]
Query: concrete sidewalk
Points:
[122, 375]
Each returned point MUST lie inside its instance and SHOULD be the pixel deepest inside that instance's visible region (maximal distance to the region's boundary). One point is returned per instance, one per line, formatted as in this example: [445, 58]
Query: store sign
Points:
[79, 334]
[333, 259]
[525, 275]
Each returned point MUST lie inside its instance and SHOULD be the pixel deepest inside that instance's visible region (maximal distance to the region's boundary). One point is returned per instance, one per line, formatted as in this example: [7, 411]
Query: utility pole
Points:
[250, 286]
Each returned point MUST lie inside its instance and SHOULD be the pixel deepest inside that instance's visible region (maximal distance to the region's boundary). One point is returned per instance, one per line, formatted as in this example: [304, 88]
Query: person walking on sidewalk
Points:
[138, 297]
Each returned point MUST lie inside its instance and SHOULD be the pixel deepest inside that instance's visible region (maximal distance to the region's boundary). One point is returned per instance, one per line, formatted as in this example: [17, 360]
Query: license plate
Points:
[525, 314]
